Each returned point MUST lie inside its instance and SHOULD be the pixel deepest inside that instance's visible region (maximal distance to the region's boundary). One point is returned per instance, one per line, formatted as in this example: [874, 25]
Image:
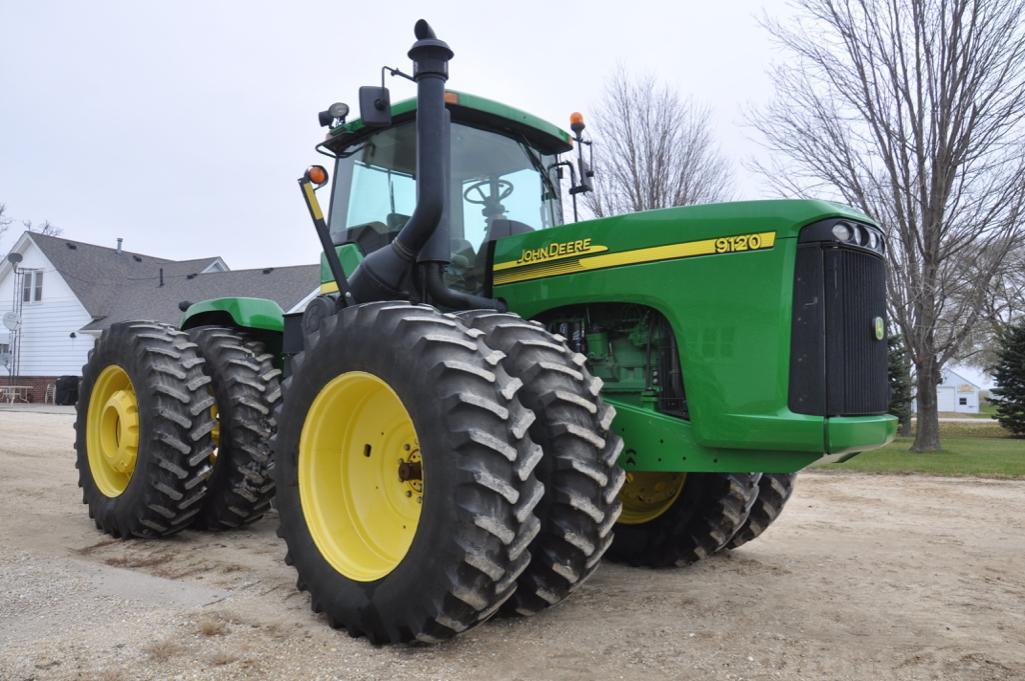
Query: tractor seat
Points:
[370, 236]
[500, 228]
[396, 221]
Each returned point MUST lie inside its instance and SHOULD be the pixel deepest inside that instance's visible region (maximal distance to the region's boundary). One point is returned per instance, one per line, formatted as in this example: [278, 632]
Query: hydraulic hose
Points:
[443, 296]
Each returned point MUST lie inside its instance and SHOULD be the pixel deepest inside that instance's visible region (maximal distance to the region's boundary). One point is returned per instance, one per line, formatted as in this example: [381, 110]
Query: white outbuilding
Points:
[955, 393]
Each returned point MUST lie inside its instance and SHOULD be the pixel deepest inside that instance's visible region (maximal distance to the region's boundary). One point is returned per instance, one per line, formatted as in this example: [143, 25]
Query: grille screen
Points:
[837, 366]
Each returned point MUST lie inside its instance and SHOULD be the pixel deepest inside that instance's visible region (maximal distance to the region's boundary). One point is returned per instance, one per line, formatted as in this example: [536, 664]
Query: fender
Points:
[245, 313]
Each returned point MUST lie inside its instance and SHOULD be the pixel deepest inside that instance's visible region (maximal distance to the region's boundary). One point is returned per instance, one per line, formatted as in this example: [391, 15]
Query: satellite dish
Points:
[14, 258]
[12, 321]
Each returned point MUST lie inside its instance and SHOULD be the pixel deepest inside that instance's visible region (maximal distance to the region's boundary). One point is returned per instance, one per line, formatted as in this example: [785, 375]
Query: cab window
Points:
[498, 186]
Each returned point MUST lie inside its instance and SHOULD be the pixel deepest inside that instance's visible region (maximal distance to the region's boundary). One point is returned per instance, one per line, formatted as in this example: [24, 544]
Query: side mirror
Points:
[375, 106]
[585, 175]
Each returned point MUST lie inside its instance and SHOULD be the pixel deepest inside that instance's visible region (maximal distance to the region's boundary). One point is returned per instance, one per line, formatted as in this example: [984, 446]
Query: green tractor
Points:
[481, 402]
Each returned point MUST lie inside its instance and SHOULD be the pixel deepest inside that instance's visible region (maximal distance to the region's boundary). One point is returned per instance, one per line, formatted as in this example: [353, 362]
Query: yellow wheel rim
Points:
[360, 476]
[647, 495]
[112, 431]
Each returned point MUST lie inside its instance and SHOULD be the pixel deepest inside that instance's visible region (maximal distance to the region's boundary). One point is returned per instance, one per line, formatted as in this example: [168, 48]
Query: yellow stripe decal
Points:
[312, 199]
[514, 271]
[329, 287]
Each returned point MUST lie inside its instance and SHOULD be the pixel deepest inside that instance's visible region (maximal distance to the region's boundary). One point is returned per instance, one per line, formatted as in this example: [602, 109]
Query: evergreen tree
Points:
[1009, 395]
[900, 383]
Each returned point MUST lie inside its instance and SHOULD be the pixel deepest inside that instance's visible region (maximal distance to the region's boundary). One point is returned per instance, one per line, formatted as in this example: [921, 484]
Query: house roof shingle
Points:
[119, 286]
[149, 300]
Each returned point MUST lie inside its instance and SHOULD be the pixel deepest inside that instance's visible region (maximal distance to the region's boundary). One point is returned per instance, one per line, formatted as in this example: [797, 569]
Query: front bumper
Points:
[785, 444]
[854, 434]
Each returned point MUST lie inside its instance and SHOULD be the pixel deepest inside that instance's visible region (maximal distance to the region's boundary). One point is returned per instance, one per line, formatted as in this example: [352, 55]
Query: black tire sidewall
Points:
[236, 433]
[683, 533]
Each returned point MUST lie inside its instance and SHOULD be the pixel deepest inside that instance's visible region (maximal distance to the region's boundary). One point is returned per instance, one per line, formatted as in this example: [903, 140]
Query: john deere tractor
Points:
[481, 401]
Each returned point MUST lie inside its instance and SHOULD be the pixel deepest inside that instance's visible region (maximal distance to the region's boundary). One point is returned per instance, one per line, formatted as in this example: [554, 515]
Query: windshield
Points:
[498, 187]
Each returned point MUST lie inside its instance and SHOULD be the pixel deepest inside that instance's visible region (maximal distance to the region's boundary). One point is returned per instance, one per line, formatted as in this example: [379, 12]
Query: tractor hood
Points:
[658, 235]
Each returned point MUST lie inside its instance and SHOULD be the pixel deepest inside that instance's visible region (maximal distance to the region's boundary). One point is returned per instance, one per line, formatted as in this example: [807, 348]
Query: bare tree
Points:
[46, 228]
[653, 150]
[5, 222]
[912, 111]
[1003, 306]
[1005, 299]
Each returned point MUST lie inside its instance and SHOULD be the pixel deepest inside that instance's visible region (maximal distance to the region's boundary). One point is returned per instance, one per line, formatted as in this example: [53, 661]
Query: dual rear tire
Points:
[143, 431]
[774, 490]
[674, 519]
[173, 429]
[246, 387]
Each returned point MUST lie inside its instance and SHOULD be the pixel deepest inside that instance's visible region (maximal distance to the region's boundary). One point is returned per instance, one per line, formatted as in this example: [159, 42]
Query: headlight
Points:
[860, 235]
[842, 231]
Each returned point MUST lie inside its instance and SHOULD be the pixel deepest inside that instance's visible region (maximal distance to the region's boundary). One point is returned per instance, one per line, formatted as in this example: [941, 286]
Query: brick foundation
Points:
[38, 385]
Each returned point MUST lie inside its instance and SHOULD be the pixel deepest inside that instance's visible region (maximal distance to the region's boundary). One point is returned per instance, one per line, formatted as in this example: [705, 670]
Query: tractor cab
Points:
[503, 179]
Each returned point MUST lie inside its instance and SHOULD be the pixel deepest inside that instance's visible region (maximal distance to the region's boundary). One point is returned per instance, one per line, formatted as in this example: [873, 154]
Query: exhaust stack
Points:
[382, 274]
[386, 274]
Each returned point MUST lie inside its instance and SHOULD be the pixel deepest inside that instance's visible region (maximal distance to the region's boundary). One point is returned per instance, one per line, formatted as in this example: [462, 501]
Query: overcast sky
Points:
[182, 126]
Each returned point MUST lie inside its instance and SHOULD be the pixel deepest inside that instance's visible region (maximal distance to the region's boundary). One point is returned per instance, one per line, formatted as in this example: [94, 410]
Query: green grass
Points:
[968, 449]
[964, 415]
[986, 411]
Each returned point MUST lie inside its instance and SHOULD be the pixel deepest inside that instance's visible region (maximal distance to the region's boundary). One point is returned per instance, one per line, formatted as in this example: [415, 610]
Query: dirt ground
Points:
[864, 577]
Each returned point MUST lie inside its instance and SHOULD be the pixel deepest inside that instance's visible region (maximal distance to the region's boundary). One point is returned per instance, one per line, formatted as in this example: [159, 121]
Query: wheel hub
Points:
[120, 439]
[112, 431]
[360, 476]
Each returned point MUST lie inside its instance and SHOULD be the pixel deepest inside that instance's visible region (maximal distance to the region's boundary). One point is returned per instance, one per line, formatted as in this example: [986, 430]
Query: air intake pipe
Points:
[384, 273]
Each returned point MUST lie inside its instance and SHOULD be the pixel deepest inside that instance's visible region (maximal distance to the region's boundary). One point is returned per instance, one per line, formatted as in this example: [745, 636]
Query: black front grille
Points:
[837, 364]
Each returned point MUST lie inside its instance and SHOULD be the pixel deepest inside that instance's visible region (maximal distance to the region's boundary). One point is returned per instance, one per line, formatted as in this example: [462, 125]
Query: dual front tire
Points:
[405, 474]
[579, 471]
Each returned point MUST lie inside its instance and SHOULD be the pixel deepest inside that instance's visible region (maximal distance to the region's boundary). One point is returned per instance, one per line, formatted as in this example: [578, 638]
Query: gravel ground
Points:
[864, 577]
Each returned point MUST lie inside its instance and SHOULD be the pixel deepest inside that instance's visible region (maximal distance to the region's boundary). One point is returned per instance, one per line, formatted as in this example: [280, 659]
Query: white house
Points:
[61, 295]
[49, 313]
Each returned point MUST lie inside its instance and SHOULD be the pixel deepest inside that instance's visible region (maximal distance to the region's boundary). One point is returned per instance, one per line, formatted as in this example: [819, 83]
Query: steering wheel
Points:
[503, 187]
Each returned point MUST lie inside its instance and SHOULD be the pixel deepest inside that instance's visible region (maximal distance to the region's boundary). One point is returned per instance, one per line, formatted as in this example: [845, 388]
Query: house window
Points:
[963, 401]
[32, 286]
